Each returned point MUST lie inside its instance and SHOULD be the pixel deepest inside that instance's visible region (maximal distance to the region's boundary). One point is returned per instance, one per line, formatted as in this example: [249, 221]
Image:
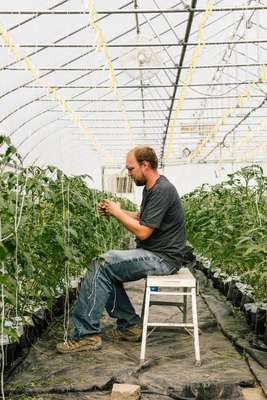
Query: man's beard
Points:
[140, 182]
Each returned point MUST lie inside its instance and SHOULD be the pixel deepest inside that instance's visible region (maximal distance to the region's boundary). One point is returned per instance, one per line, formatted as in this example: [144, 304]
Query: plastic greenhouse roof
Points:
[186, 77]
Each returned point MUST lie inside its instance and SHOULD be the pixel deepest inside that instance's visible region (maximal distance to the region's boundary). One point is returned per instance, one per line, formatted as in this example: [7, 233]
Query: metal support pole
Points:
[181, 43]
[135, 11]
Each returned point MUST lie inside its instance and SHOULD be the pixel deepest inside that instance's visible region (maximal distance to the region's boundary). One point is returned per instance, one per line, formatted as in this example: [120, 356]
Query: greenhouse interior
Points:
[133, 201]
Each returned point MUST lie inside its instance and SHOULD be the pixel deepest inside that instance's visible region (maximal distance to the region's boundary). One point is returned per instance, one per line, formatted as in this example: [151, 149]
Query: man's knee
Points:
[117, 256]
[106, 265]
[109, 254]
[98, 261]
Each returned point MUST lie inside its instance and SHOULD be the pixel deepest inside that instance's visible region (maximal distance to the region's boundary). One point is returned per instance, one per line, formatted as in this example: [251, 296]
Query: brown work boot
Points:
[131, 334]
[93, 342]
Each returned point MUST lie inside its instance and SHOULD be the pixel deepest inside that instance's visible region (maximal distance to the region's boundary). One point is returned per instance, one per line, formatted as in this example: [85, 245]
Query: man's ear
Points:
[146, 163]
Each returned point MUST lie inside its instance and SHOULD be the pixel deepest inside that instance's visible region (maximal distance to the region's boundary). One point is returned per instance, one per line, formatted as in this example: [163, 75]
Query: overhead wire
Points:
[70, 82]
[238, 85]
[243, 96]
[41, 113]
[102, 47]
[245, 141]
[220, 69]
[222, 142]
[52, 92]
[147, 11]
[50, 71]
[35, 131]
[35, 16]
[195, 55]
[75, 59]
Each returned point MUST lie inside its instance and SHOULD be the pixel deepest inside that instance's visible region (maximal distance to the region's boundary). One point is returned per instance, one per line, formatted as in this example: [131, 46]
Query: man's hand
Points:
[108, 207]
[111, 207]
[130, 219]
[101, 208]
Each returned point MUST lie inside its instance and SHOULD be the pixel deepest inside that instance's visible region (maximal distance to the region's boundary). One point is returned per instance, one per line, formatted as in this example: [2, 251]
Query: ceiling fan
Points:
[141, 57]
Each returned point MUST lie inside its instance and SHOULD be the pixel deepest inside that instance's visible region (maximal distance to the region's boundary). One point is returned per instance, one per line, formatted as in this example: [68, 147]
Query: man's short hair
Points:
[145, 153]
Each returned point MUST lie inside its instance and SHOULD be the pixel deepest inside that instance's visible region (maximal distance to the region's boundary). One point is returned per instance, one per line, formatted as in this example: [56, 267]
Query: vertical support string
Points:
[2, 323]
[65, 217]
[17, 219]
[20, 190]
[16, 242]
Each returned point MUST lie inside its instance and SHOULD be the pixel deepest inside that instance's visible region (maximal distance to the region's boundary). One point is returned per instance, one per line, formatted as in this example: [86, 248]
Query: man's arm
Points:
[102, 209]
[132, 224]
[133, 214]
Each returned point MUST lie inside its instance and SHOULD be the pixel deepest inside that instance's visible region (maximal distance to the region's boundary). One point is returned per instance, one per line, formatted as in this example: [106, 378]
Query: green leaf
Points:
[8, 282]
[10, 150]
[244, 239]
[3, 252]
[4, 139]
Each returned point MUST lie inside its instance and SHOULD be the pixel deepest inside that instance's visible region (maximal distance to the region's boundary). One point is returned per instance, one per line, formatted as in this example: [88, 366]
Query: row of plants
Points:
[227, 225]
[49, 232]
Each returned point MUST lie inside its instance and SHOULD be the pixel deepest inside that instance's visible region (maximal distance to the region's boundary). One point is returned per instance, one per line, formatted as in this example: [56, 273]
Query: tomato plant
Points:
[227, 223]
[48, 221]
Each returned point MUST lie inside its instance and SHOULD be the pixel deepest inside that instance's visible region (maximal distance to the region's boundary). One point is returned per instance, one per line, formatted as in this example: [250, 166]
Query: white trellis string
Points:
[6, 237]
[115, 299]
[68, 240]
[23, 199]
[257, 207]
[65, 215]
[17, 220]
[97, 269]
[2, 324]
[257, 204]
[99, 220]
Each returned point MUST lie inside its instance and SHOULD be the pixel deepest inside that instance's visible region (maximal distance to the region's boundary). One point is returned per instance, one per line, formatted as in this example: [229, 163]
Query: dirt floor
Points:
[169, 372]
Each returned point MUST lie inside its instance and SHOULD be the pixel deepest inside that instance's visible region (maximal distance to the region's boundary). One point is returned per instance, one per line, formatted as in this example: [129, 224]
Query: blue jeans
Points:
[103, 288]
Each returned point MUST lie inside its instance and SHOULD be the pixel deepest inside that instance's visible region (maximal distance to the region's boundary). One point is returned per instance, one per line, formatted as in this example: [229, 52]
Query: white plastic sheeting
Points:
[181, 98]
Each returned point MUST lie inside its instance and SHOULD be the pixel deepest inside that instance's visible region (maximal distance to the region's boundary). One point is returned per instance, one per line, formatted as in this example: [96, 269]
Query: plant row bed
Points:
[227, 223]
[241, 297]
[30, 328]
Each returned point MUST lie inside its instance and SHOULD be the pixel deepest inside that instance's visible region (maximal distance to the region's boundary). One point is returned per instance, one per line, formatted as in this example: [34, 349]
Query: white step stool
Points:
[184, 280]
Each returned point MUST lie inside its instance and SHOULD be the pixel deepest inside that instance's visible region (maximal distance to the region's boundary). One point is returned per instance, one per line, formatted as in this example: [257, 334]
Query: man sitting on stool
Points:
[160, 237]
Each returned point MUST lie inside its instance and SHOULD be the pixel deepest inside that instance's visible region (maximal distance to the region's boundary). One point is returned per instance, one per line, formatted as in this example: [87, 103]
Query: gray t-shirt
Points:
[161, 209]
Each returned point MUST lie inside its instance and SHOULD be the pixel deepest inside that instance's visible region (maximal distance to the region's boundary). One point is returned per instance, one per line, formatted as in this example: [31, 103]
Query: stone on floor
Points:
[125, 392]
